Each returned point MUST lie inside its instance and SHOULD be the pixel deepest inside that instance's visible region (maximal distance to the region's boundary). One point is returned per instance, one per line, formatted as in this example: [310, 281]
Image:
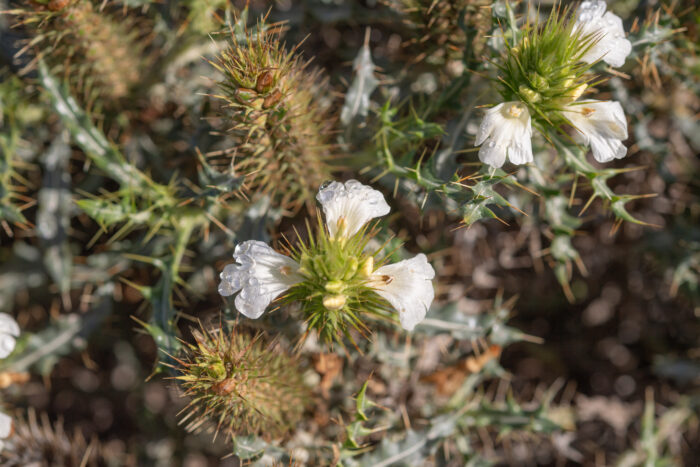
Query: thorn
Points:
[573, 190]
[587, 205]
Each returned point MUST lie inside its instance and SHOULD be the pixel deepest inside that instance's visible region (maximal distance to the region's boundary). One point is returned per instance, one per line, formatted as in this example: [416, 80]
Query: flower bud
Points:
[272, 99]
[245, 95]
[528, 94]
[539, 82]
[265, 81]
[217, 370]
[367, 267]
[334, 302]
[351, 268]
[335, 286]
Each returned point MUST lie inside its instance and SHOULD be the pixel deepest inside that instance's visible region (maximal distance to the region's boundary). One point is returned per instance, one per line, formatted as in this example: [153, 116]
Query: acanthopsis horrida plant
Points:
[36, 440]
[239, 385]
[339, 282]
[445, 30]
[542, 76]
[96, 49]
[276, 114]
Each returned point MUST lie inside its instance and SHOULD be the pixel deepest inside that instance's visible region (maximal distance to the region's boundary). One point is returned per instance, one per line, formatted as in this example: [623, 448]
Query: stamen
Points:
[587, 111]
[515, 111]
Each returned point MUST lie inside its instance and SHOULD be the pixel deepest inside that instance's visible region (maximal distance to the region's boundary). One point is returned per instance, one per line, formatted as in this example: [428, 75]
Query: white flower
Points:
[505, 131]
[609, 43]
[349, 206]
[407, 286]
[5, 428]
[9, 330]
[260, 275]
[602, 125]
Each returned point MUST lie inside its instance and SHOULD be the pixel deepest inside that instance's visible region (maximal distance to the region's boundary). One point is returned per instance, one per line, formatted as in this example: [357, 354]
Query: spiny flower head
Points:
[542, 79]
[545, 69]
[101, 56]
[276, 111]
[333, 276]
[35, 440]
[238, 384]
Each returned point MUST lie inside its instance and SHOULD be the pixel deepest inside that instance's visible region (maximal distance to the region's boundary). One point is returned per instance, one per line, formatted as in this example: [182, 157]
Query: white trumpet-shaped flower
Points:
[505, 132]
[602, 125]
[408, 286]
[260, 275]
[608, 35]
[9, 331]
[349, 206]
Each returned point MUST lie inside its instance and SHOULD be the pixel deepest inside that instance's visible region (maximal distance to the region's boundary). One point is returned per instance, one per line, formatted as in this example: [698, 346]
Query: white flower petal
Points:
[261, 274]
[505, 132]
[349, 206]
[602, 125]
[5, 425]
[607, 32]
[407, 286]
[9, 330]
[492, 119]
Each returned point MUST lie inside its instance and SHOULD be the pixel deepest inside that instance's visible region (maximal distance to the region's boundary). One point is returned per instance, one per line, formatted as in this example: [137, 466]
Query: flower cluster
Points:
[543, 78]
[332, 275]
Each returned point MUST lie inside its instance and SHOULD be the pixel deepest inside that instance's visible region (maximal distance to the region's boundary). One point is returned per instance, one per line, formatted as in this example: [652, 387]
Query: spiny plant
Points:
[99, 55]
[37, 441]
[337, 293]
[239, 384]
[16, 112]
[545, 70]
[444, 29]
[276, 114]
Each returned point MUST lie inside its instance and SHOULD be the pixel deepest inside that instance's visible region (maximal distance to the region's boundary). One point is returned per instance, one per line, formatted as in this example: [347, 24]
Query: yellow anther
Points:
[515, 110]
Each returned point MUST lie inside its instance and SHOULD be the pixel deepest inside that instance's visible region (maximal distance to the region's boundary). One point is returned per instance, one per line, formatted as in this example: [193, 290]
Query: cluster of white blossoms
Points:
[261, 274]
[506, 130]
[9, 331]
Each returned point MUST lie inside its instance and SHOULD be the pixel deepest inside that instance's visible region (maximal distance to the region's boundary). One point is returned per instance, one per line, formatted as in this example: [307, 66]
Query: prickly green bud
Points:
[240, 385]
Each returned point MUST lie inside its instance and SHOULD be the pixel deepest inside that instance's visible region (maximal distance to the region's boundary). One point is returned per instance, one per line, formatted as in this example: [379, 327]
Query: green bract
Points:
[337, 288]
[544, 70]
